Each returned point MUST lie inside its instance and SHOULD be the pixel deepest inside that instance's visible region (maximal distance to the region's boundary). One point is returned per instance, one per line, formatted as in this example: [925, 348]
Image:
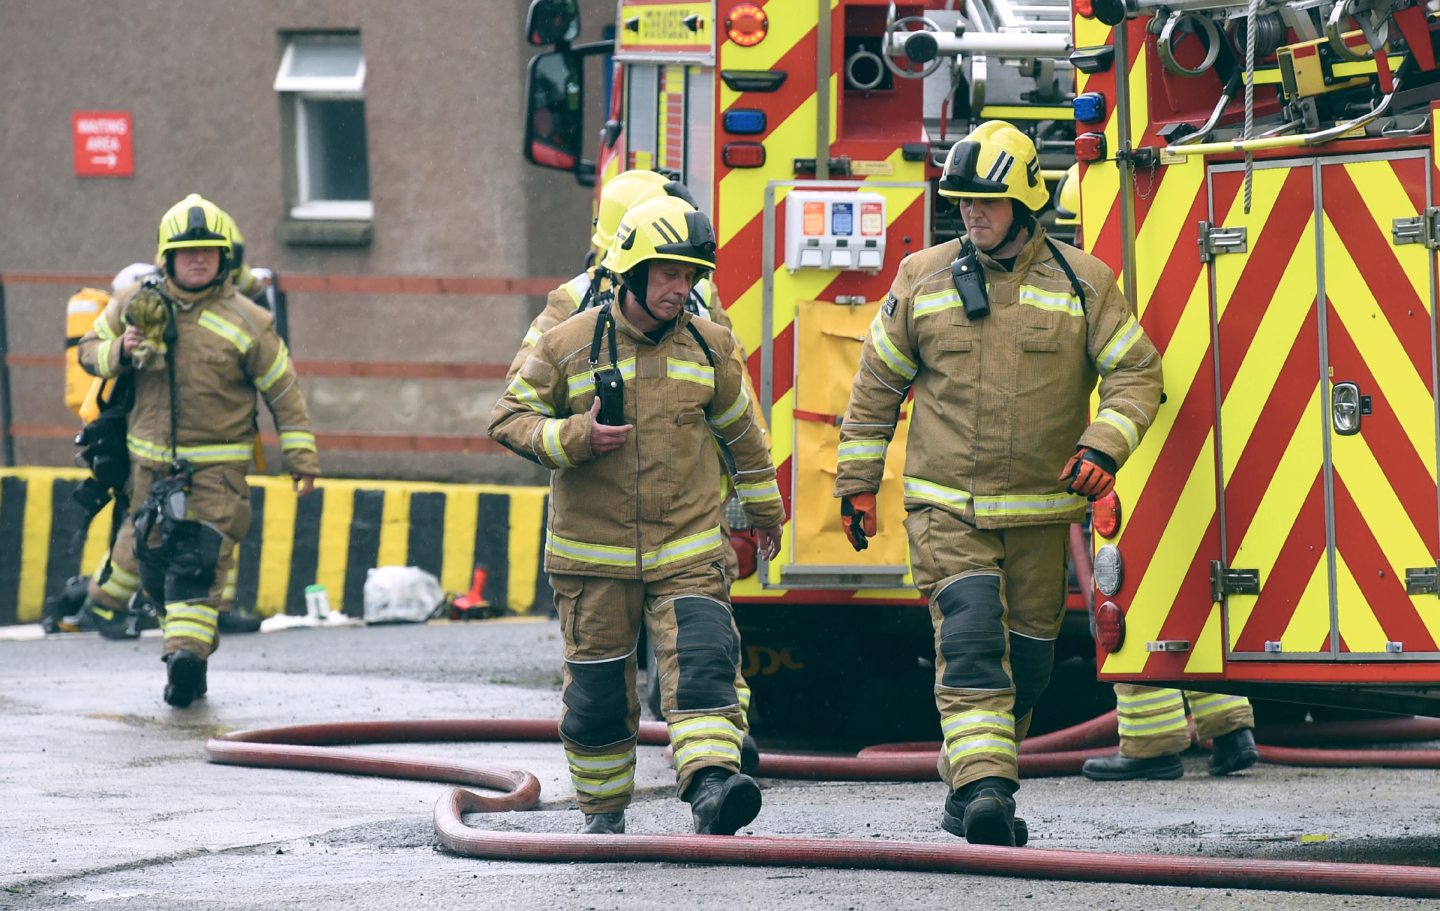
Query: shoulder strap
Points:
[1069, 272]
[603, 322]
[703, 347]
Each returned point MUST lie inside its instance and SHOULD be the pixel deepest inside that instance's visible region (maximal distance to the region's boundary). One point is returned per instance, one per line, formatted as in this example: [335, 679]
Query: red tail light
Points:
[1105, 515]
[1110, 626]
[1090, 146]
[745, 553]
[743, 154]
[1085, 8]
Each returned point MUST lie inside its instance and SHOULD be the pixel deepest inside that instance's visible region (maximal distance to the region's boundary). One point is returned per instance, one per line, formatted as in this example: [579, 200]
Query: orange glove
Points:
[857, 516]
[1091, 473]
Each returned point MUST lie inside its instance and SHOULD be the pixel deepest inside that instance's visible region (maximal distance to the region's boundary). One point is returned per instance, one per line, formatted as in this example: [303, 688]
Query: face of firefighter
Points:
[196, 267]
[669, 284]
[987, 221]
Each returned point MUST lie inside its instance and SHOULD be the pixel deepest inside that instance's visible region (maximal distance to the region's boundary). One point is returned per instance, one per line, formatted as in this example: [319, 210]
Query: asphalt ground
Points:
[109, 802]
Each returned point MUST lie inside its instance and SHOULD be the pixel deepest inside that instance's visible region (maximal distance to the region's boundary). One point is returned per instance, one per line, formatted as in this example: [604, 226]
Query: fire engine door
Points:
[1326, 431]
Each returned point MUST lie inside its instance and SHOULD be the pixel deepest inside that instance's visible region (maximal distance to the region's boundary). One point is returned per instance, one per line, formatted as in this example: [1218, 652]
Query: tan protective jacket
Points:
[564, 301]
[1001, 402]
[652, 507]
[227, 351]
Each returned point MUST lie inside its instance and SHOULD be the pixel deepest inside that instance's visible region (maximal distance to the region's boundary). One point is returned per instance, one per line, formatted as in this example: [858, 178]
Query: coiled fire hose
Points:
[311, 747]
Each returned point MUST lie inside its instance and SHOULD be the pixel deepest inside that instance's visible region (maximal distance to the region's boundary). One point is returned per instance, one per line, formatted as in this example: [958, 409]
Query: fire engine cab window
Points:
[321, 82]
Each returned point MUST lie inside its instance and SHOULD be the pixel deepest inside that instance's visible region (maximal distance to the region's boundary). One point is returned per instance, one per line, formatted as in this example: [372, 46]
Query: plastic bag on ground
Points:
[401, 594]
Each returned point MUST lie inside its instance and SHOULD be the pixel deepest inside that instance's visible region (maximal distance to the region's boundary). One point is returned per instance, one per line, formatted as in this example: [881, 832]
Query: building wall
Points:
[453, 198]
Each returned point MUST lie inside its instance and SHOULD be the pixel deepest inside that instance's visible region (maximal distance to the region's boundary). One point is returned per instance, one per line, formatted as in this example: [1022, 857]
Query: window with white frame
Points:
[321, 82]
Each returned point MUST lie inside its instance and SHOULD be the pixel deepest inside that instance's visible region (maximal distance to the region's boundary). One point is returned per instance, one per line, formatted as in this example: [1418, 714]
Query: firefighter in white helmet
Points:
[1001, 337]
[624, 403]
[198, 353]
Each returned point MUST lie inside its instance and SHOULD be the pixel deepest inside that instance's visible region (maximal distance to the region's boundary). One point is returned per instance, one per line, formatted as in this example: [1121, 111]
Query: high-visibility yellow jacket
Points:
[1002, 401]
[652, 507]
[564, 301]
[227, 351]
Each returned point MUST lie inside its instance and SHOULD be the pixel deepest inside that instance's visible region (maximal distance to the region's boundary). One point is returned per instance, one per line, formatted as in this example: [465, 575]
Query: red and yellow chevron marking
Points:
[792, 116]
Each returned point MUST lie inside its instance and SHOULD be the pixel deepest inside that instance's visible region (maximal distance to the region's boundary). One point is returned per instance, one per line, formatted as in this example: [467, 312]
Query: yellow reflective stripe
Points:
[1118, 346]
[1137, 702]
[733, 413]
[103, 329]
[228, 331]
[707, 749]
[119, 588]
[1153, 724]
[583, 382]
[277, 370]
[935, 302]
[104, 613]
[116, 572]
[297, 439]
[527, 396]
[577, 287]
[102, 358]
[551, 437]
[978, 718]
[532, 338]
[930, 492]
[146, 449]
[898, 363]
[608, 787]
[1037, 504]
[600, 554]
[220, 452]
[194, 621]
[1212, 703]
[612, 762]
[682, 548]
[1051, 301]
[761, 492]
[1120, 422]
[744, 693]
[690, 371]
[861, 451]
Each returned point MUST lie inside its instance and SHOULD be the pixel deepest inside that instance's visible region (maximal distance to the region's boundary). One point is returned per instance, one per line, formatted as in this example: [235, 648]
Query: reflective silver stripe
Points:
[600, 554]
[297, 439]
[683, 548]
[900, 364]
[733, 413]
[577, 287]
[526, 395]
[583, 382]
[102, 328]
[1116, 348]
[221, 452]
[936, 302]
[930, 492]
[707, 749]
[1001, 721]
[277, 370]
[552, 442]
[227, 330]
[1211, 703]
[758, 493]
[690, 372]
[102, 358]
[1120, 422]
[532, 338]
[194, 621]
[1140, 701]
[1051, 301]
[861, 451]
[1157, 724]
[1039, 504]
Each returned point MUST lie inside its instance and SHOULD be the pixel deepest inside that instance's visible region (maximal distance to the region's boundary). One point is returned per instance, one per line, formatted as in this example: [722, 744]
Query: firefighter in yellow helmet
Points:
[1067, 200]
[1001, 337]
[623, 402]
[198, 353]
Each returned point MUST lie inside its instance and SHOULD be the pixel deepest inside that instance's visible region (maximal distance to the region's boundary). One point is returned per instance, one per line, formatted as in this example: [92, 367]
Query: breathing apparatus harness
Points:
[969, 278]
[609, 381]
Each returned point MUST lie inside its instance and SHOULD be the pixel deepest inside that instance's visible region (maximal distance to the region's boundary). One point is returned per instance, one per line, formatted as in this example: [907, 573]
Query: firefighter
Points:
[1153, 733]
[624, 402]
[1000, 337]
[199, 352]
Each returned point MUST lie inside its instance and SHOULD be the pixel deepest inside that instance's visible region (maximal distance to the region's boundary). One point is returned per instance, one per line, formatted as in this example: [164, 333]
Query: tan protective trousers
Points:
[1152, 719]
[996, 600]
[697, 651]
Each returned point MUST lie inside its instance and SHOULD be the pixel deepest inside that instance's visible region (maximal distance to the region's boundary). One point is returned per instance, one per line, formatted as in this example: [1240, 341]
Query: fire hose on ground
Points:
[312, 747]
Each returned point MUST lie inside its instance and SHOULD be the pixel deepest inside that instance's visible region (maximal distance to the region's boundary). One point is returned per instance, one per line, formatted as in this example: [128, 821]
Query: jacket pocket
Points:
[955, 344]
[1039, 345]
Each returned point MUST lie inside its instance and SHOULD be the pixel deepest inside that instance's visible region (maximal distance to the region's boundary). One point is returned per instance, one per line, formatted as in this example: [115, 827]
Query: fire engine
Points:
[812, 132]
[1262, 176]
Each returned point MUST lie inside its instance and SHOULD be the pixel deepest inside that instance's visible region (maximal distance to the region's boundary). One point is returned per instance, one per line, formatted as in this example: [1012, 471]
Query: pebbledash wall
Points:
[402, 337]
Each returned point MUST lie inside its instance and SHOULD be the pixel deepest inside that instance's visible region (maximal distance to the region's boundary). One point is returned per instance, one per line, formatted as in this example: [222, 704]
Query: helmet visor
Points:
[960, 177]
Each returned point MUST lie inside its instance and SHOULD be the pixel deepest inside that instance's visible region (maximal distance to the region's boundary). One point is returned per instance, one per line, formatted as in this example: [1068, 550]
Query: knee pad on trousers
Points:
[707, 652]
[972, 636]
[1031, 661]
[194, 553]
[596, 709]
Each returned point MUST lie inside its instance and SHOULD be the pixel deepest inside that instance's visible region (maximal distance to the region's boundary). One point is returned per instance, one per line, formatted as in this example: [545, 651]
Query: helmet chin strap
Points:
[637, 282]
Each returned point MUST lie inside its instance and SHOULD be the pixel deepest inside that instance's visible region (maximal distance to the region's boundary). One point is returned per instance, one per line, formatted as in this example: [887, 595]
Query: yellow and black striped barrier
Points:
[331, 538]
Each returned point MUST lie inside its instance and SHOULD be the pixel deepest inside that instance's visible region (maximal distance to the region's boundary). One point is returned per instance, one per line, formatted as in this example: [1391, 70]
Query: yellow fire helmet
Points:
[995, 161]
[662, 228]
[1067, 197]
[195, 222]
[625, 191]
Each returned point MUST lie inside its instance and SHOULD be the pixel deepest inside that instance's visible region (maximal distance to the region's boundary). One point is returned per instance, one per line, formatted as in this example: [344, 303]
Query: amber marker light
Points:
[747, 24]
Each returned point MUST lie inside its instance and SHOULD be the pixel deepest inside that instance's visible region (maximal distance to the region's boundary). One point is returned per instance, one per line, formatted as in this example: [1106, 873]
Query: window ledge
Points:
[325, 232]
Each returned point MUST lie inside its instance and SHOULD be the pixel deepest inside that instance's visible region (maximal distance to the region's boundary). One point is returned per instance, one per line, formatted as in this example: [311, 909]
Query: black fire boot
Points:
[721, 801]
[236, 620]
[1128, 768]
[604, 824]
[184, 678]
[111, 624]
[1233, 751]
[749, 755]
[983, 813]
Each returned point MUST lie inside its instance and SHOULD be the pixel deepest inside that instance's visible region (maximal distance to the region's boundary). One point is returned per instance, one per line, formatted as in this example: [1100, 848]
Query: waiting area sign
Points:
[102, 141]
